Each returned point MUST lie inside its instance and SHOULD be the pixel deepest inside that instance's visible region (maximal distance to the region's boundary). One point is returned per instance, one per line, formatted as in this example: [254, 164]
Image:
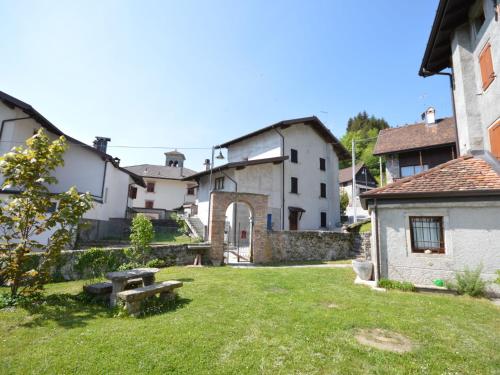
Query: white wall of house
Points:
[471, 231]
[267, 178]
[476, 109]
[82, 168]
[169, 194]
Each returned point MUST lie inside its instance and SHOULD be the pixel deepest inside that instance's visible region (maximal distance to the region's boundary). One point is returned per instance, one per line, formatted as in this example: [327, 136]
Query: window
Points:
[495, 139]
[294, 185]
[413, 169]
[486, 65]
[323, 219]
[294, 158]
[190, 191]
[322, 164]
[150, 187]
[322, 190]
[132, 192]
[427, 234]
[219, 183]
[149, 204]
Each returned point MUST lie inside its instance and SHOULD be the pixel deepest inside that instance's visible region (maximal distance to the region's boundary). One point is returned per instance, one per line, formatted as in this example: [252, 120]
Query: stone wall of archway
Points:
[219, 201]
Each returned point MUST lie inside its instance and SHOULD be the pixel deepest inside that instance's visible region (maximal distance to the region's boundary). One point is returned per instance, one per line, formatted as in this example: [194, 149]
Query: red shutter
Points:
[495, 139]
[486, 64]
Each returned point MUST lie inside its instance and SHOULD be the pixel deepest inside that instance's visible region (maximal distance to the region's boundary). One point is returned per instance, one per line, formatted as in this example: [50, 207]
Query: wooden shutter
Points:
[486, 64]
[495, 139]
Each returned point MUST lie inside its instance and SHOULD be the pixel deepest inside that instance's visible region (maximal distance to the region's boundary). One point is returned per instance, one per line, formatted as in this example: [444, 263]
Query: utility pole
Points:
[381, 171]
[354, 216]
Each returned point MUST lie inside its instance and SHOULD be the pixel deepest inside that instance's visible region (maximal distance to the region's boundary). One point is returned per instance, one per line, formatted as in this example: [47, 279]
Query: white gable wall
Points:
[169, 194]
[82, 168]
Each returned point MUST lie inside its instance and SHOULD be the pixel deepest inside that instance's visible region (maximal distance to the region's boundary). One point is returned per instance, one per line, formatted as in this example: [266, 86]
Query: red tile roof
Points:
[415, 137]
[466, 174]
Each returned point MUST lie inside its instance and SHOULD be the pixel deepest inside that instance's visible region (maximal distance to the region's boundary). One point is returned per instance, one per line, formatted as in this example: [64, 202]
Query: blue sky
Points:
[197, 73]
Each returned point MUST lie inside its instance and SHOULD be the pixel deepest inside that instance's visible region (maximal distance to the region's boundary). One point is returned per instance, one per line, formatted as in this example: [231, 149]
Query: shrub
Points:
[497, 281]
[344, 202]
[156, 263]
[129, 266]
[405, 286]
[469, 282]
[95, 262]
[141, 235]
[8, 300]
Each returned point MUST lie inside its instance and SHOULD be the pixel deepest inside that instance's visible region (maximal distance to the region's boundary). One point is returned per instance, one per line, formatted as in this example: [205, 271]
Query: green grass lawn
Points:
[173, 238]
[252, 321]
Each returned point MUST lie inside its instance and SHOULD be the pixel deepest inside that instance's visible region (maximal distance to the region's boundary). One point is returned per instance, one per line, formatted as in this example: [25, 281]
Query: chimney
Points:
[430, 116]
[101, 143]
[207, 164]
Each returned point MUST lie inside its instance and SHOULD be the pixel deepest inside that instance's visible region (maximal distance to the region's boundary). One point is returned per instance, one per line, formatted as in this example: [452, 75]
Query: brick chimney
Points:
[207, 164]
[101, 143]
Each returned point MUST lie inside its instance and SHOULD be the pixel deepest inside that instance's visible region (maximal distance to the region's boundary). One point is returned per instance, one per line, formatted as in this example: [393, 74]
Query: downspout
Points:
[377, 242]
[452, 88]
[11, 120]
[104, 180]
[235, 204]
[282, 179]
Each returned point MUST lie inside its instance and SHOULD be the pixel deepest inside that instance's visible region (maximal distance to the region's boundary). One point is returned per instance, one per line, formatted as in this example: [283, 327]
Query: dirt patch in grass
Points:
[384, 340]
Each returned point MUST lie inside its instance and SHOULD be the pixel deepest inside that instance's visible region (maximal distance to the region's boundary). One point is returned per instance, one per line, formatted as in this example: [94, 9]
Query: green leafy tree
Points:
[344, 202]
[364, 129]
[31, 212]
[141, 236]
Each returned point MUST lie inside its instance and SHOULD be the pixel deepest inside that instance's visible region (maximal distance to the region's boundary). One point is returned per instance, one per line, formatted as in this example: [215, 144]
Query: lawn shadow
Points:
[155, 306]
[67, 310]
[186, 280]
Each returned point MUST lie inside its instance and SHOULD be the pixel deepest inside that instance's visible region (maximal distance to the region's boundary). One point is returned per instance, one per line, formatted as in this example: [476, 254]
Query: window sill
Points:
[430, 255]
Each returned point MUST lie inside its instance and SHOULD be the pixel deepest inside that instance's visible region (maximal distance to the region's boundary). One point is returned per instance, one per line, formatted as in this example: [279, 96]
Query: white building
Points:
[166, 189]
[364, 182]
[86, 167]
[434, 224]
[294, 162]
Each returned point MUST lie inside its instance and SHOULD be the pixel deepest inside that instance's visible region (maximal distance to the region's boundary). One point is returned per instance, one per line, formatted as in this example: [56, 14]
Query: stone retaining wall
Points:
[171, 254]
[285, 246]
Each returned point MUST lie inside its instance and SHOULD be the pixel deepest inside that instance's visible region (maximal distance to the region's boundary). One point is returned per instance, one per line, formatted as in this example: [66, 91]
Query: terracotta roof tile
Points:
[415, 136]
[464, 174]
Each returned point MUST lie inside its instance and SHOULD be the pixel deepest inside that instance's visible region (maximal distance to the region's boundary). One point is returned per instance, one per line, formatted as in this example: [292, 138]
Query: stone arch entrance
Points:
[219, 202]
[238, 233]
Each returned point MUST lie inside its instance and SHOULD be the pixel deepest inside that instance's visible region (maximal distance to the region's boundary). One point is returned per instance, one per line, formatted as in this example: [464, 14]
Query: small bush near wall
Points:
[469, 282]
[405, 286]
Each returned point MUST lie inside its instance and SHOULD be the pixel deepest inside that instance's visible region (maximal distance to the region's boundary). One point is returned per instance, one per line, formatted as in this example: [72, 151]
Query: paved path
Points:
[325, 265]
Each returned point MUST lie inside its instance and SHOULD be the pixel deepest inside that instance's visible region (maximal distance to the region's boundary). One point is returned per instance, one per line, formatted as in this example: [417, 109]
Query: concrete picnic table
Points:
[119, 280]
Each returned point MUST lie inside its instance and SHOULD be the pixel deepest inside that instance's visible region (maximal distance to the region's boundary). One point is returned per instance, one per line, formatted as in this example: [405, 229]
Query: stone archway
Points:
[219, 201]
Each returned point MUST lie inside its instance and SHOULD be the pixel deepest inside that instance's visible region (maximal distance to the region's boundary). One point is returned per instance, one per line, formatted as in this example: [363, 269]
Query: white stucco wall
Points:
[265, 145]
[82, 168]
[476, 109]
[472, 237]
[168, 194]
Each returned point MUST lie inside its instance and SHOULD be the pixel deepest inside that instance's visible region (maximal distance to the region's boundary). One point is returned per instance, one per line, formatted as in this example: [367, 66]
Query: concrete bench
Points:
[105, 288]
[133, 297]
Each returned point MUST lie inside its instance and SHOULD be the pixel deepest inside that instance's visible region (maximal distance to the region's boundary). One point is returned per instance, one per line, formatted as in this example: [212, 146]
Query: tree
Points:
[365, 129]
[141, 235]
[344, 202]
[33, 210]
